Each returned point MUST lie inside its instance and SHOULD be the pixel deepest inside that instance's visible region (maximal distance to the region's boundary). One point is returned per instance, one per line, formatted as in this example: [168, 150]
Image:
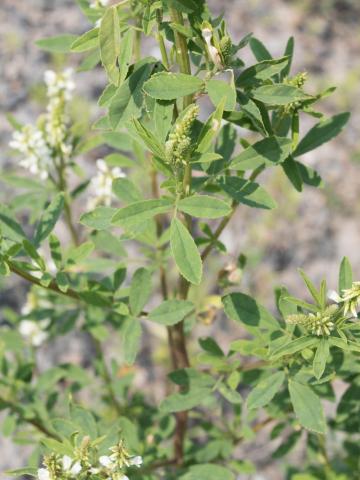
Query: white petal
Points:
[43, 474]
[76, 468]
[105, 461]
[66, 462]
[334, 296]
[136, 461]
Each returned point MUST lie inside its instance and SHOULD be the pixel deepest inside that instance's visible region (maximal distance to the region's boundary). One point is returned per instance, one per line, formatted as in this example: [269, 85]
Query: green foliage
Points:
[121, 255]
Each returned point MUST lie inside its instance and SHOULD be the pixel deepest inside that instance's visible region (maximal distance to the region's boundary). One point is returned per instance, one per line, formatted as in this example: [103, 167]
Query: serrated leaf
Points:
[138, 212]
[219, 89]
[204, 206]
[279, 94]
[265, 390]
[307, 407]
[140, 290]
[270, 151]
[247, 192]
[49, 219]
[171, 312]
[109, 40]
[185, 252]
[169, 86]
[321, 133]
[99, 219]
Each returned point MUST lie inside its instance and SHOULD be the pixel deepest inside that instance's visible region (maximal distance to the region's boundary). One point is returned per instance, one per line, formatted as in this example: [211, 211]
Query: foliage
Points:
[166, 169]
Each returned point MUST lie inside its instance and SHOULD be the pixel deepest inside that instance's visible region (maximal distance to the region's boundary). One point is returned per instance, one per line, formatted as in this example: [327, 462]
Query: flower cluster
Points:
[42, 144]
[32, 144]
[60, 87]
[297, 81]
[319, 323]
[101, 184]
[350, 298]
[35, 333]
[179, 142]
[109, 467]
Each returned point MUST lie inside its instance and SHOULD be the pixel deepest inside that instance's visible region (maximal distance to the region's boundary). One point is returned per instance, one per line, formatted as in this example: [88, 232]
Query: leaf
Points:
[9, 226]
[261, 71]
[99, 219]
[49, 219]
[259, 50]
[185, 252]
[208, 471]
[127, 102]
[321, 133]
[20, 472]
[204, 206]
[109, 38]
[138, 212]
[295, 346]
[131, 339]
[292, 171]
[171, 312]
[88, 41]
[79, 254]
[84, 419]
[247, 192]
[265, 390]
[345, 275]
[244, 309]
[210, 129]
[269, 151]
[57, 44]
[140, 290]
[126, 190]
[321, 357]
[307, 407]
[149, 139]
[169, 86]
[279, 94]
[163, 115]
[126, 52]
[180, 402]
[218, 89]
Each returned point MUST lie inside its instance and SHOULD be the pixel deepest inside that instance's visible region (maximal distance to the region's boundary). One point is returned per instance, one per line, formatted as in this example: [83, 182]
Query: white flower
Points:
[32, 144]
[136, 461]
[334, 296]
[43, 474]
[34, 331]
[101, 184]
[69, 466]
[106, 461]
[60, 83]
[213, 52]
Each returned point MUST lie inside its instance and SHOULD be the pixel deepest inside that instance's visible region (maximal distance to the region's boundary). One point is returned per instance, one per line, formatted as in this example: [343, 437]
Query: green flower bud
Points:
[226, 49]
[179, 143]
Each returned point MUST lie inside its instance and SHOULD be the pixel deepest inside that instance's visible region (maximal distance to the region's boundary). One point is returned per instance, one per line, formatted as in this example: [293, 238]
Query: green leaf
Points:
[140, 290]
[138, 212]
[163, 116]
[321, 133]
[311, 287]
[84, 419]
[149, 139]
[127, 102]
[171, 312]
[20, 472]
[180, 402]
[126, 190]
[109, 38]
[244, 309]
[9, 226]
[126, 52]
[88, 41]
[260, 72]
[131, 339]
[247, 192]
[185, 252]
[292, 171]
[169, 86]
[204, 206]
[49, 219]
[295, 346]
[259, 50]
[307, 407]
[265, 390]
[208, 471]
[218, 89]
[269, 151]
[210, 129]
[57, 44]
[321, 357]
[99, 219]
[78, 254]
[279, 94]
[345, 275]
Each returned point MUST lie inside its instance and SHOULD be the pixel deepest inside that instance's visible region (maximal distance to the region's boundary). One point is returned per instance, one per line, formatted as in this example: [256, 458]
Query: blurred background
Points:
[312, 230]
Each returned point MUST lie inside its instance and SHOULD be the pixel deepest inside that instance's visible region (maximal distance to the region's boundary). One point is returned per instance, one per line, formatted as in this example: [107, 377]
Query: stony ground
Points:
[315, 229]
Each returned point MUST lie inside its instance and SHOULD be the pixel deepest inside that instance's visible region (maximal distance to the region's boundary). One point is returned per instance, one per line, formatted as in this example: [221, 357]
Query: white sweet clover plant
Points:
[161, 166]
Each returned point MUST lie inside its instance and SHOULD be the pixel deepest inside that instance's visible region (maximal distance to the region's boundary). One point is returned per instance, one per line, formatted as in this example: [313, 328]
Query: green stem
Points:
[160, 39]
